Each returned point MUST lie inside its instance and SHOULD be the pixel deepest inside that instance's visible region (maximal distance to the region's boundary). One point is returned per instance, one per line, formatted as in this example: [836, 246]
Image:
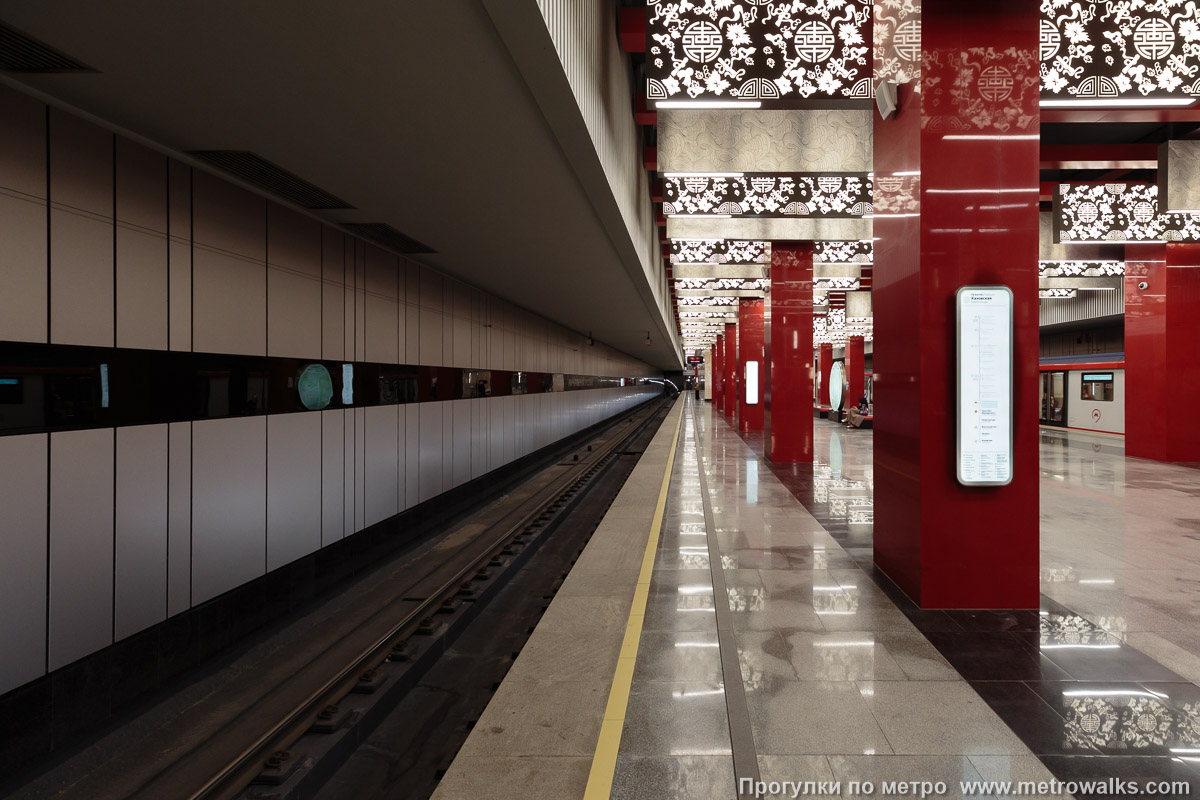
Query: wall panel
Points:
[229, 304]
[294, 487]
[81, 278]
[179, 223]
[142, 291]
[430, 481]
[229, 504]
[24, 491]
[23, 268]
[81, 544]
[382, 463]
[141, 529]
[179, 517]
[333, 446]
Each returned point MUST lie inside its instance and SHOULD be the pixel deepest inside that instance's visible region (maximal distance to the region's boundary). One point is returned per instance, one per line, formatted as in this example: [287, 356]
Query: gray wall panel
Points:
[22, 143]
[360, 469]
[448, 410]
[431, 450]
[462, 441]
[382, 463]
[179, 518]
[293, 240]
[293, 314]
[179, 223]
[333, 294]
[23, 295]
[142, 278]
[23, 496]
[81, 164]
[382, 329]
[229, 504]
[141, 533]
[229, 304]
[81, 279]
[228, 217]
[412, 454]
[141, 186]
[333, 445]
[293, 487]
[81, 544]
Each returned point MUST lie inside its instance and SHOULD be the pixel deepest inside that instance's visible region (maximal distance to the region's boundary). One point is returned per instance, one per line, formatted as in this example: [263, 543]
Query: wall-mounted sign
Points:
[984, 385]
[695, 359]
[751, 383]
[757, 53]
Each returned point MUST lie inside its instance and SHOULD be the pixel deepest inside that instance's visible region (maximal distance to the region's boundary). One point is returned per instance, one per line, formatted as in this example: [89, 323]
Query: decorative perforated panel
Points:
[779, 53]
[858, 252]
[719, 251]
[766, 195]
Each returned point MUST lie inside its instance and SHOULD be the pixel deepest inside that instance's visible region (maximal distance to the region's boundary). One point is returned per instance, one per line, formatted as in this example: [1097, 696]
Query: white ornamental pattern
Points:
[766, 195]
[1112, 49]
[776, 52]
[719, 251]
[834, 252]
[1080, 269]
[718, 285]
[1117, 212]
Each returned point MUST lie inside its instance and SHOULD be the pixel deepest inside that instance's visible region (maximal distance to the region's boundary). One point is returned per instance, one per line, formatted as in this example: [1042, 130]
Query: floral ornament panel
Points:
[1100, 50]
[768, 195]
[856, 252]
[777, 52]
[1181, 227]
[1107, 212]
[981, 90]
[897, 39]
[719, 251]
[707, 301]
[722, 285]
[1080, 269]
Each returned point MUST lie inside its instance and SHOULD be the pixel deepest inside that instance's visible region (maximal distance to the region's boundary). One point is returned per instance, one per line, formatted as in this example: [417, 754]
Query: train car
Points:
[1083, 393]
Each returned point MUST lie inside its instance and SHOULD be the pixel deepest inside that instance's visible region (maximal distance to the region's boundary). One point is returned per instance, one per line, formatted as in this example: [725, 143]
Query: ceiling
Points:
[415, 113]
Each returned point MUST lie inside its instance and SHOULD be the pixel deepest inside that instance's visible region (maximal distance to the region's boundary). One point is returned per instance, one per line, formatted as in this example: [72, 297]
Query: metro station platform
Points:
[749, 636]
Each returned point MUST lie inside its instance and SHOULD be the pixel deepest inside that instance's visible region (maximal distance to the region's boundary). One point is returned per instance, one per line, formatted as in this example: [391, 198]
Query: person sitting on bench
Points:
[855, 416]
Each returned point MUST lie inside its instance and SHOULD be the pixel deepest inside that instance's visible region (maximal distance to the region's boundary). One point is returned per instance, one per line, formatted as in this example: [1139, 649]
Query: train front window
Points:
[1097, 386]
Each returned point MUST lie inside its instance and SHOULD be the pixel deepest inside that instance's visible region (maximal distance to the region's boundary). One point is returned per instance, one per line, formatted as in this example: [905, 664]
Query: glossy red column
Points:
[718, 374]
[731, 366]
[956, 204]
[751, 330]
[1162, 343]
[825, 365]
[856, 370]
[789, 418]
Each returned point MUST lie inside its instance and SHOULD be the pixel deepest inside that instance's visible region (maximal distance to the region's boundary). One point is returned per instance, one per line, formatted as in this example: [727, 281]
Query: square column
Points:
[730, 389]
[751, 332]
[789, 418]
[956, 204]
[856, 370]
[1162, 343]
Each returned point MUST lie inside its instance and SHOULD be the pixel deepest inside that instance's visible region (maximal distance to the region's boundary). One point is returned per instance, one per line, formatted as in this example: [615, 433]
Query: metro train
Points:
[1083, 393]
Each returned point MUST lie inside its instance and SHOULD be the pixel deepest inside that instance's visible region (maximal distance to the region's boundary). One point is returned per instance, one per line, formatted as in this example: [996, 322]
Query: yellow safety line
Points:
[604, 762]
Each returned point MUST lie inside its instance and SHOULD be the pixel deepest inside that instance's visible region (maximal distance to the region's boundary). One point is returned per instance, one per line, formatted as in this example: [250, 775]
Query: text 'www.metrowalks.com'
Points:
[1108, 787]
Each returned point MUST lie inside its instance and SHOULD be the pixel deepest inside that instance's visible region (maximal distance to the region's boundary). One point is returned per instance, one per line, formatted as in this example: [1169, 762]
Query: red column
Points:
[731, 366]
[825, 365]
[856, 370]
[718, 374]
[751, 329]
[956, 204]
[789, 419]
[1162, 331]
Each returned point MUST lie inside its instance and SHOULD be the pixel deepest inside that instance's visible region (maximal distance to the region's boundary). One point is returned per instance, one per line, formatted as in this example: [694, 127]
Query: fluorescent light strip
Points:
[1096, 289]
[699, 216]
[704, 174]
[1129, 102]
[968, 137]
[686, 104]
[1087, 646]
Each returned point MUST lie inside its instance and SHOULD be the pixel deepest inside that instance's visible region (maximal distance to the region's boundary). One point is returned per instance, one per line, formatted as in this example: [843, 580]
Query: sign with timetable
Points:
[984, 378]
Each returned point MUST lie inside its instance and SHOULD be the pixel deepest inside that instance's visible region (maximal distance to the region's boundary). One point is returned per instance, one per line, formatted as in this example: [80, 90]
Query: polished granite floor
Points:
[1101, 681]
[835, 679]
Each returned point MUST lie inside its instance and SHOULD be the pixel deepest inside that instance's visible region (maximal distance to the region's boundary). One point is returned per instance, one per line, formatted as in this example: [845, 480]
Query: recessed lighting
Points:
[704, 174]
[1129, 102]
[699, 216]
[685, 104]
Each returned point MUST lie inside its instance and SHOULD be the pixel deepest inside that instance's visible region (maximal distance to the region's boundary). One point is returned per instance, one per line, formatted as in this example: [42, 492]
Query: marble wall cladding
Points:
[764, 141]
[802, 229]
[1179, 175]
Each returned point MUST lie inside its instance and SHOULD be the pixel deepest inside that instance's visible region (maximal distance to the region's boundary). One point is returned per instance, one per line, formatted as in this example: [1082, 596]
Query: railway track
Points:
[292, 737]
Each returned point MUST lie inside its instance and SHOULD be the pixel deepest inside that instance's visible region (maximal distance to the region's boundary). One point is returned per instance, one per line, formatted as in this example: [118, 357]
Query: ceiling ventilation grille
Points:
[21, 53]
[389, 237]
[255, 169]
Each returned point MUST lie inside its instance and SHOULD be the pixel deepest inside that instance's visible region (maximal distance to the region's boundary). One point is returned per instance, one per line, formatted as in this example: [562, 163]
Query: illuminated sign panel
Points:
[795, 194]
[1106, 51]
[751, 383]
[762, 53]
[984, 385]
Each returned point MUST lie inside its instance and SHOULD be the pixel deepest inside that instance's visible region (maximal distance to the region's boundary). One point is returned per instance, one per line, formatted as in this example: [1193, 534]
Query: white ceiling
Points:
[413, 112]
